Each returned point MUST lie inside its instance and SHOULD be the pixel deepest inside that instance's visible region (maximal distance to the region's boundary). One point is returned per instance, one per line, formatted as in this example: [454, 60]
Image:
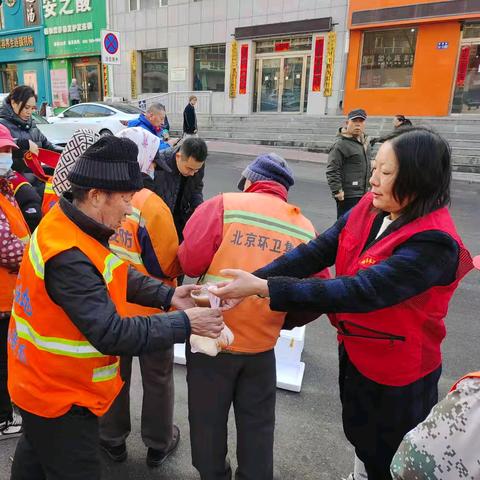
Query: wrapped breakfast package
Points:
[206, 345]
[211, 346]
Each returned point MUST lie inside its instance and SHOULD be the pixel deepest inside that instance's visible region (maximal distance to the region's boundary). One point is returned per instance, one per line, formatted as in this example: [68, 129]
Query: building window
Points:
[209, 68]
[387, 58]
[155, 71]
[137, 4]
[471, 30]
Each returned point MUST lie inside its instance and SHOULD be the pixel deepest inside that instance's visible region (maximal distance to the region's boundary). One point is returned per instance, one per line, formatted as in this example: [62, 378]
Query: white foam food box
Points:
[288, 353]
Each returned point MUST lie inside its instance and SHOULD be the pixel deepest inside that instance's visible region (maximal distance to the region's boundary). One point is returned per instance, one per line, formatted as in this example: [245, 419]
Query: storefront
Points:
[291, 63]
[72, 31]
[466, 98]
[404, 59]
[22, 48]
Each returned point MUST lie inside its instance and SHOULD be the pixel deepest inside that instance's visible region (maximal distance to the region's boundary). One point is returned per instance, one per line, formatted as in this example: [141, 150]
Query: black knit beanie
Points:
[109, 164]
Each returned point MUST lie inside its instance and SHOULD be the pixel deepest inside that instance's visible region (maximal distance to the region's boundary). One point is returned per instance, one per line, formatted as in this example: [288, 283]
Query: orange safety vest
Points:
[18, 227]
[257, 229]
[147, 205]
[51, 365]
[469, 375]
[50, 198]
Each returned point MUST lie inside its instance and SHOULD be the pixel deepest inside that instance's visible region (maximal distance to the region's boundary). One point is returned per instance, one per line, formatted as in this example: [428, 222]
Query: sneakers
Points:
[350, 477]
[11, 428]
[156, 457]
[117, 454]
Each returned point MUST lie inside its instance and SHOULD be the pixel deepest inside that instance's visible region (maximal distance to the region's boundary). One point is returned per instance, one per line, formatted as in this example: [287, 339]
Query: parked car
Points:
[57, 134]
[104, 118]
[3, 96]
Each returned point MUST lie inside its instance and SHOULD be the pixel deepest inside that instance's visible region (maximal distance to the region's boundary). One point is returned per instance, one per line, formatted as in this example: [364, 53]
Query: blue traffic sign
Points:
[111, 43]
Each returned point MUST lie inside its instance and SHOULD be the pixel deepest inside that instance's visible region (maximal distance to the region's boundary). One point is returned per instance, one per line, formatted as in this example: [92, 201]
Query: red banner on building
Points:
[242, 89]
[318, 65]
[282, 46]
[463, 65]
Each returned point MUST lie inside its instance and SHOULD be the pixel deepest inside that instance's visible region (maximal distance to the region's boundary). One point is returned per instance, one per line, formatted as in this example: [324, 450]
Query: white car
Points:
[104, 118]
[57, 134]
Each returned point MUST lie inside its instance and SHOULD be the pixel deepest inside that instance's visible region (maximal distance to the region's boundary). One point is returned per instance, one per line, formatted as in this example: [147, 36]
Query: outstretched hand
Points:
[243, 285]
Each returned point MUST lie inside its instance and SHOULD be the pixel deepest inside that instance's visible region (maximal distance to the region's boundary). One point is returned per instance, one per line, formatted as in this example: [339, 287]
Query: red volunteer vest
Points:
[400, 344]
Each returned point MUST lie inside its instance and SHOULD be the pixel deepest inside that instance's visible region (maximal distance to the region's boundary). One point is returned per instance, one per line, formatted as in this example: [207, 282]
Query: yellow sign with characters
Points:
[233, 69]
[330, 61]
[133, 74]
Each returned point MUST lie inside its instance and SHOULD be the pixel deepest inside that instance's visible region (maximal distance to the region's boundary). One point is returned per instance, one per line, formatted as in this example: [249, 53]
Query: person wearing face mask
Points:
[148, 241]
[398, 261]
[16, 115]
[14, 234]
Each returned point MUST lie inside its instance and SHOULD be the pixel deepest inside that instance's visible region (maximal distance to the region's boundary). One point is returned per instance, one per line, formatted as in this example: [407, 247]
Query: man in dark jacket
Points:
[348, 169]
[179, 179]
[190, 118]
[103, 180]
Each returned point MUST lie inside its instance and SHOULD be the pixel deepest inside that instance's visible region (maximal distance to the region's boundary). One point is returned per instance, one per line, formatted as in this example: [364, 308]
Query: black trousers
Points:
[5, 403]
[346, 205]
[376, 417]
[62, 448]
[157, 405]
[214, 383]
[74, 102]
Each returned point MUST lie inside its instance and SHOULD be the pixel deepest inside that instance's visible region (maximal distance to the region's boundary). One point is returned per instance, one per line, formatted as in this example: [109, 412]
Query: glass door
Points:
[292, 80]
[467, 88]
[88, 78]
[269, 84]
[282, 84]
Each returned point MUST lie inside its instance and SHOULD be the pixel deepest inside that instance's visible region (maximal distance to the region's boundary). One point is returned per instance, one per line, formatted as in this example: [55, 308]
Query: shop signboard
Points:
[72, 27]
[243, 69]
[318, 64]
[329, 64]
[32, 13]
[233, 69]
[463, 65]
[21, 46]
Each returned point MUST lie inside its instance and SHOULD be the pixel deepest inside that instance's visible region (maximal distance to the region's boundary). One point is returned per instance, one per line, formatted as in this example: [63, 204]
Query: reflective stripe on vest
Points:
[49, 189]
[268, 223]
[54, 345]
[102, 374]
[133, 257]
[111, 261]
[135, 216]
[35, 256]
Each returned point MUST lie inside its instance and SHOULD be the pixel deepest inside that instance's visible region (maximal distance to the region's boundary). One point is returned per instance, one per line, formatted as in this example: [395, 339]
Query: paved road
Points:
[309, 441]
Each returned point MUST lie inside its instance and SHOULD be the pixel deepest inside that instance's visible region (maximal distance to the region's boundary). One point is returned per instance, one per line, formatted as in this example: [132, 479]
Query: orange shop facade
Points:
[418, 58]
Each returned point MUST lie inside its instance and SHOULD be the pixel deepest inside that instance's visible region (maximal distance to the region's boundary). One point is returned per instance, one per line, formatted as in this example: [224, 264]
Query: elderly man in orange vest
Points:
[69, 318]
[240, 230]
[14, 234]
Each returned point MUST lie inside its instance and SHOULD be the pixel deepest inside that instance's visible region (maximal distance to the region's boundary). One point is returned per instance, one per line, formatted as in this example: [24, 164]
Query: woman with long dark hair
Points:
[398, 260]
[16, 115]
